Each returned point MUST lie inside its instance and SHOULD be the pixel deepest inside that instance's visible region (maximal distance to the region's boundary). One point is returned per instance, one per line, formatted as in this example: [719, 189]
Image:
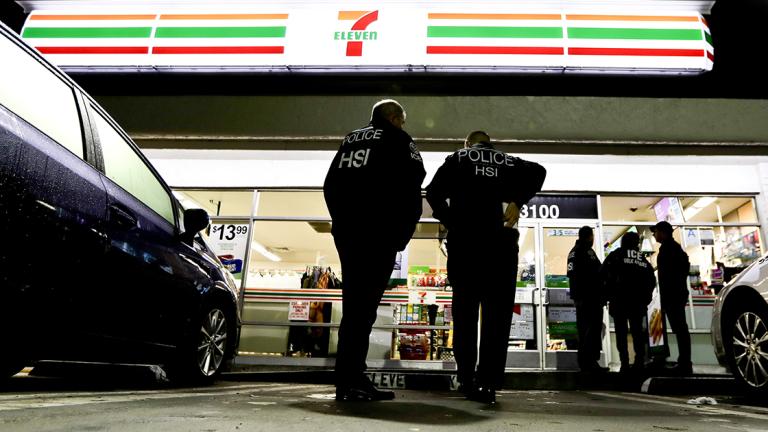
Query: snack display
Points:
[656, 326]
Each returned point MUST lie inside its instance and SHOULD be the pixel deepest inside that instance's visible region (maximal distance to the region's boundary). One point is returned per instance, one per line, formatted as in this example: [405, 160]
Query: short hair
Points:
[585, 232]
[478, 137]
[385, 108]
[630, 240]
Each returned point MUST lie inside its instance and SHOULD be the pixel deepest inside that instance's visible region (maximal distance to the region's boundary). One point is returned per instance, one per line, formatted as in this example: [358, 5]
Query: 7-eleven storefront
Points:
[256, 162]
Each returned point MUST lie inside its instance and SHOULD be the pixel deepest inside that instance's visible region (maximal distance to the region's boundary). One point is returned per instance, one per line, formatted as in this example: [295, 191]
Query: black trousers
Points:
[589, 323]
[676, 316]
[639, 335]
[483, 279]
[365, 271]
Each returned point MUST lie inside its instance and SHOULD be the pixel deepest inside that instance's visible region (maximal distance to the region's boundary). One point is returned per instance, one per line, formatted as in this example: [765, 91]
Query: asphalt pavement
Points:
[131, 403]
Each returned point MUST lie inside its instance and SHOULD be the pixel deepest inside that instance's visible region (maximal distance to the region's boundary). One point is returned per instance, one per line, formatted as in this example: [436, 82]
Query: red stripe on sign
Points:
[494, 50]
[93, 50]
[220, 50]
[654, 52]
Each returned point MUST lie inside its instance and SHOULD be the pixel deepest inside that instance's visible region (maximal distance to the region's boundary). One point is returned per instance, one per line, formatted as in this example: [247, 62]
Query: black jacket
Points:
[584, 274]
[673, 266]
[373, 186]
[628, 280]
[476, 181]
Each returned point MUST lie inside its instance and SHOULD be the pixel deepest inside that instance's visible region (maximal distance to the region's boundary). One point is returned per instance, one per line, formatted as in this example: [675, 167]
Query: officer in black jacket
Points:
[673, 265]
[587, 293]
[467, 196]
[373, 193]
[629, 281]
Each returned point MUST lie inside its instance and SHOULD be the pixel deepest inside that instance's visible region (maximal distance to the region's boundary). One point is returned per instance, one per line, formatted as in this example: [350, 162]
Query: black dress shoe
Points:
[362, 392]
[466, 389]
[484, 395]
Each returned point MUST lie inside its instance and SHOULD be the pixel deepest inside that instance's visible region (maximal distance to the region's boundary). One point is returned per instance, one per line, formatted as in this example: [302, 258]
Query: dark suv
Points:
[98, 260]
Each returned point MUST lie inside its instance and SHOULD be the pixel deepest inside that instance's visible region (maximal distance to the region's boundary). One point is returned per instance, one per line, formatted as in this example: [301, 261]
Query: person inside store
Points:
[589, 298]
[673, 267]
[467, 196]
[628, 280]
[373, 193]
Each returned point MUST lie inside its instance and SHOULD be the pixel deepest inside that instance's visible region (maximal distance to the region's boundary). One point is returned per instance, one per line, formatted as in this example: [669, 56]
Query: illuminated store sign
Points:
[396, 38]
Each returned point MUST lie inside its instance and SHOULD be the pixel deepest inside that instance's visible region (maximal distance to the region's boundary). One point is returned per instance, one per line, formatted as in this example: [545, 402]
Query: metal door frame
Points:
[540, 298]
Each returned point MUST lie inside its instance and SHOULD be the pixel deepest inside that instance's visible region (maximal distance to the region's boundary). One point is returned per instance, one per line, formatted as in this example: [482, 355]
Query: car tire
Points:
[746, 345]
[204, 353]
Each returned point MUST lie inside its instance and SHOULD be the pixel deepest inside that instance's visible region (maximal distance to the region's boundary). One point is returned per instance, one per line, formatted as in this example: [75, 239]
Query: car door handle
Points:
[122, 217]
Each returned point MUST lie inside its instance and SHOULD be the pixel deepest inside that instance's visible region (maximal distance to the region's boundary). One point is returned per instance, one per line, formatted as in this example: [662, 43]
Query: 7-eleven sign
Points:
[358, 32]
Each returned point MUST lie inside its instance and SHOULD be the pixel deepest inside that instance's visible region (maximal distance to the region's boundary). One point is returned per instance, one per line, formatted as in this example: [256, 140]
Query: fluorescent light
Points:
[258, 247]
[697, 206]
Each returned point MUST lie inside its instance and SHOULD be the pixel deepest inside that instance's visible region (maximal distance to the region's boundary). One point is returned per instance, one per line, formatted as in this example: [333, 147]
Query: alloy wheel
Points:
[750, 349]
[212, 342]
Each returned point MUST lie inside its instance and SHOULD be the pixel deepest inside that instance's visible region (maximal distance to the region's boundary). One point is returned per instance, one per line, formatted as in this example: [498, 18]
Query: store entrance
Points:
[543, 334]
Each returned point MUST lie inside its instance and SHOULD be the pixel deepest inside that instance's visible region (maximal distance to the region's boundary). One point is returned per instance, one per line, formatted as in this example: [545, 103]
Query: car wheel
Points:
[203, 356]
[748, 353]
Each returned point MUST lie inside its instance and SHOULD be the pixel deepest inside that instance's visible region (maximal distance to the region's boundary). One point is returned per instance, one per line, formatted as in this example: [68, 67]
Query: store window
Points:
[124, 166]
[720, 233]
[280, 203]
[218, 203]
[291, 255]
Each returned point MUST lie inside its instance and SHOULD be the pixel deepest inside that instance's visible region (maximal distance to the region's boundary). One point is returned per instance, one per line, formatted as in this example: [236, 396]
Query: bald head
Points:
[476, 137]
[389, 110]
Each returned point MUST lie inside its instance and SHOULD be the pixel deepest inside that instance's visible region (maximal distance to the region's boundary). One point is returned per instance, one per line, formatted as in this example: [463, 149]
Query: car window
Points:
[123, 166]
[39, 96]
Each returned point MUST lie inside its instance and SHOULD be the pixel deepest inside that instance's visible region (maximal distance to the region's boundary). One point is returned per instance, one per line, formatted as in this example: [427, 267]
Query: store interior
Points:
[291, 238]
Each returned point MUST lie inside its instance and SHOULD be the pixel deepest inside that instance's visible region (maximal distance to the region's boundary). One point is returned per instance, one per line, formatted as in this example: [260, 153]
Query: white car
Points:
[740, 326]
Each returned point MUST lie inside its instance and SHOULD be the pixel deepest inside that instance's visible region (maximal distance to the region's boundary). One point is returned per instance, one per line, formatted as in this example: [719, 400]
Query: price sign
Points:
[229, 242]
[228, 232]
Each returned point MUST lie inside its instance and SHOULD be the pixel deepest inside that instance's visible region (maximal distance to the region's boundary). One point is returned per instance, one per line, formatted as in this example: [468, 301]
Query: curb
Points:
[552, 381]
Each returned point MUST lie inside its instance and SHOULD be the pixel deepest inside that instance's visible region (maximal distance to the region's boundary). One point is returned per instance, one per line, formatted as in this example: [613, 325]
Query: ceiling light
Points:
[258, 247]
[697, 206]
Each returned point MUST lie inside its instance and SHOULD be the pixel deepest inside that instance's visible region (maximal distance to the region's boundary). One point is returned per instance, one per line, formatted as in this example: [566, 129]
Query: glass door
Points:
[558, 329]
[543, 333]
[524, 349]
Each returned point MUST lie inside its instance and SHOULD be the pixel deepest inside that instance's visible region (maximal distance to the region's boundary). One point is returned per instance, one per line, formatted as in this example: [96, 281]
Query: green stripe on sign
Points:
[624, 33]
[494, 32]
[708, 37]
[87, 32]
[220, 32]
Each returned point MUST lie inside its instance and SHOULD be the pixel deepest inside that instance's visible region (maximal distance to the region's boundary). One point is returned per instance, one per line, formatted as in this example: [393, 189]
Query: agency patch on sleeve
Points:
[415, 155]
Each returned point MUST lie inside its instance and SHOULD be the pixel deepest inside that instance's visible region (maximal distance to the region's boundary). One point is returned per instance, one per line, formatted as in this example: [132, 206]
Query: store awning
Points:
[391, 37]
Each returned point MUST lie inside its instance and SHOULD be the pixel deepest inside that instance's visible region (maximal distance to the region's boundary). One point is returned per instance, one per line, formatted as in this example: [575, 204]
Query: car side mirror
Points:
[195, 220]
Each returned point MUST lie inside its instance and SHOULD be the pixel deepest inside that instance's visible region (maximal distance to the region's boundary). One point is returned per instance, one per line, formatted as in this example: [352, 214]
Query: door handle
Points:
[122, 217]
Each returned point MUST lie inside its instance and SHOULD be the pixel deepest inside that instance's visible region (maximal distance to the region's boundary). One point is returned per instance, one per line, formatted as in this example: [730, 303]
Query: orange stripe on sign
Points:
[490, 16]
[90, 17]
[223, 16]
[351, 15]
[630, 18]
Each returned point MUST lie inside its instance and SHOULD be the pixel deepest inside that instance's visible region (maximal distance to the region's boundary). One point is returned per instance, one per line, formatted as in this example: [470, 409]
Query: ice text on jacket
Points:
[634, 257]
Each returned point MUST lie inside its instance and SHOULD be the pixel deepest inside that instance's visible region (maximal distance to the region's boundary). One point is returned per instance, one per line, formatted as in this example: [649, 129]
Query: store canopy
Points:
[388, 36]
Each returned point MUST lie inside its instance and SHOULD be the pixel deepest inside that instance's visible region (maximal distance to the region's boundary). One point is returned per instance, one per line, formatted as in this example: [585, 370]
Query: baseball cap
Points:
[662, 226]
